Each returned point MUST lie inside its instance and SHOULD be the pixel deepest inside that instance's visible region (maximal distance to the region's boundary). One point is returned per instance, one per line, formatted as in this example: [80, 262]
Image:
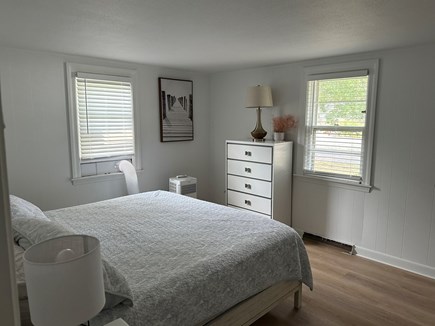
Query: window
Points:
[102, 124]
[339, 119]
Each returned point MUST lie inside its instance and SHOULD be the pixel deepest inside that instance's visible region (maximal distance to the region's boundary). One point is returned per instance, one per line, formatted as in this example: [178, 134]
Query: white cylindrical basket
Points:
[278, 136]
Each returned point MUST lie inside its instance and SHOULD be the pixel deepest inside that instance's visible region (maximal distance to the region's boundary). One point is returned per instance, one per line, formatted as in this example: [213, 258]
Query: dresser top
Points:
[258, 143]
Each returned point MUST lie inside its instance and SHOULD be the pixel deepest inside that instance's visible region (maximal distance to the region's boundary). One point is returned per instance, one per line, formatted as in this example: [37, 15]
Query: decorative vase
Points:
[278, 136]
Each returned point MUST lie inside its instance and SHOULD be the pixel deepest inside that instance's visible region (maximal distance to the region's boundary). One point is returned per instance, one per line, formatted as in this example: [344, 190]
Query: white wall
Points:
[37, 144]
[394, 223]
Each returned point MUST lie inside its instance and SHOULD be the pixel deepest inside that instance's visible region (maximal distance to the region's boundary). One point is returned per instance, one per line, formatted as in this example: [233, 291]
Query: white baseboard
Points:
[396, 262]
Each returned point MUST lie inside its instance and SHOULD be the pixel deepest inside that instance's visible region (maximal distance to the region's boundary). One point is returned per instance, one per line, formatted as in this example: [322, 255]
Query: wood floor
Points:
[350, 290]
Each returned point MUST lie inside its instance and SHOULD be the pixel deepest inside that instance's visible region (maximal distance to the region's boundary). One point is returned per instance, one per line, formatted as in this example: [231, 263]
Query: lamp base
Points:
[258, 133]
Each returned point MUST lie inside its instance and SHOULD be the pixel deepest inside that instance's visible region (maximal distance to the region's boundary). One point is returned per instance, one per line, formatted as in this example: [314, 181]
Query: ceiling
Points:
[215, 35]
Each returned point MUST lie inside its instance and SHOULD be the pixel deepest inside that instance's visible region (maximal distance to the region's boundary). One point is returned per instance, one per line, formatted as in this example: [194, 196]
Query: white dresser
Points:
[259, 177]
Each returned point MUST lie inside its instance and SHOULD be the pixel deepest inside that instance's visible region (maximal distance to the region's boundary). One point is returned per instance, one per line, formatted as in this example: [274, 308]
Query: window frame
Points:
[337, 70]
[71, 70]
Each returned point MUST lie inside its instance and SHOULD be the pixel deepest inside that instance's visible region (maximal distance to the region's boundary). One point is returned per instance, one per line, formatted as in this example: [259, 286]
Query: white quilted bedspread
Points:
[186, 260]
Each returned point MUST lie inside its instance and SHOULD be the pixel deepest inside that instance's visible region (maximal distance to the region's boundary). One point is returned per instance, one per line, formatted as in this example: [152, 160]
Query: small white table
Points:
[117, 322]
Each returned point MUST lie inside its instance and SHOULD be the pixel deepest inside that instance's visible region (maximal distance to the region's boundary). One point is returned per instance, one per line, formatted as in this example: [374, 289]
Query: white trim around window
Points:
[93, 169]
[336, 71]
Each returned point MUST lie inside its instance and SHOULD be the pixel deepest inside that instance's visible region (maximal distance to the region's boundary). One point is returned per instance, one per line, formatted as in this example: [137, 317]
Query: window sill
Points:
[100, 178]
[331, 182]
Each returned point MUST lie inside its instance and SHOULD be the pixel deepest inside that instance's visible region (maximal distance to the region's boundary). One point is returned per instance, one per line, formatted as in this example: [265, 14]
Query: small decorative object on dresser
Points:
[259, 177]
[259, 97]
[281, 124]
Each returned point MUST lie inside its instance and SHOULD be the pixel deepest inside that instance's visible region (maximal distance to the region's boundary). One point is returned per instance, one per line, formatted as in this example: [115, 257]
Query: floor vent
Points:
[348, 248]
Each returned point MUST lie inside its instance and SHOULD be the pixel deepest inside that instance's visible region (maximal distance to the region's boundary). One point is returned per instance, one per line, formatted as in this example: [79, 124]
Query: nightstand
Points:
[117, 322]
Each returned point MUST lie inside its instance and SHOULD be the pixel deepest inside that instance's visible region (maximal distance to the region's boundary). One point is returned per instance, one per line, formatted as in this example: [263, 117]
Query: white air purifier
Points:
[183, 185]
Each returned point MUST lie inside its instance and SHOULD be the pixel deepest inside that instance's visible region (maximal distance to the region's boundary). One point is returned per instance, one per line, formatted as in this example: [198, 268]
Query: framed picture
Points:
[176, 109]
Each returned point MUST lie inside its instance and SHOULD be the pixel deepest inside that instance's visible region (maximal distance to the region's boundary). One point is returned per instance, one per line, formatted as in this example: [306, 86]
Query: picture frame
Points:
[176, 109]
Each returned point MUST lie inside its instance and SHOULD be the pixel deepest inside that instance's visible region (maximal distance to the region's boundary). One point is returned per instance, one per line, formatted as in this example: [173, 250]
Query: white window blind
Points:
[335, 127]
[105, 116]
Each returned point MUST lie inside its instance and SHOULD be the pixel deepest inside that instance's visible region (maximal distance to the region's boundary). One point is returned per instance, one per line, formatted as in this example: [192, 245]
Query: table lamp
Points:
[259, 97]
[64, 278]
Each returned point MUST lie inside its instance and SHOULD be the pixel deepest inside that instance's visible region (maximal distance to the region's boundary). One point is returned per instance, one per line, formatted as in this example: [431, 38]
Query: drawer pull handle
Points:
[248, 153]
[247, 186]
[248, 202]
[248, 170]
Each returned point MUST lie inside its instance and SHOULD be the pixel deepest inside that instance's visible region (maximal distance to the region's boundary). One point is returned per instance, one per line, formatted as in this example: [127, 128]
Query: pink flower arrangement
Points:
[283, 123]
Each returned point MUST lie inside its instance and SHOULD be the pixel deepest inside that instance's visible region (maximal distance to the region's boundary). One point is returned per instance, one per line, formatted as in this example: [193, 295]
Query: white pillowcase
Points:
[23, 208]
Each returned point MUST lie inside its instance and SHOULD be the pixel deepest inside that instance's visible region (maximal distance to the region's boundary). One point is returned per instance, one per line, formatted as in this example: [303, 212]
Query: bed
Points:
[191, 262]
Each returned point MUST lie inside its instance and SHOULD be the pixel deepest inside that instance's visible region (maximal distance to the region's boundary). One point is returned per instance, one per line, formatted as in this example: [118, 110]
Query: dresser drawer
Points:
[250, 170]
[254, 203]
[260, 154]
[250, 186]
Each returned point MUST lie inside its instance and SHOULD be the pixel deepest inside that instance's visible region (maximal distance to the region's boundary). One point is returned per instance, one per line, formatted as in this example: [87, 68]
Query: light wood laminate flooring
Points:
[350, 290]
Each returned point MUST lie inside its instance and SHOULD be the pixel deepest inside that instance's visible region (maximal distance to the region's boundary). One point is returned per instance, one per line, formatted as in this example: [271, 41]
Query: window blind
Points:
[105, 116]
[336, 126]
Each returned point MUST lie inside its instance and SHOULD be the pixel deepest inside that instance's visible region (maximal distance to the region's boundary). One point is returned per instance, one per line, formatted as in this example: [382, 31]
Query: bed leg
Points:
[298, 298]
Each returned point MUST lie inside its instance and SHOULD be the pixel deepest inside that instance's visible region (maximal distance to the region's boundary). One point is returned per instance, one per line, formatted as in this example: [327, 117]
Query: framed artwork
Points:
[176, 109]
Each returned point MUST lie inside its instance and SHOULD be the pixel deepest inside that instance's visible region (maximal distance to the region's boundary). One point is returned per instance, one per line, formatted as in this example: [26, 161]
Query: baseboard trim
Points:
[396, 262]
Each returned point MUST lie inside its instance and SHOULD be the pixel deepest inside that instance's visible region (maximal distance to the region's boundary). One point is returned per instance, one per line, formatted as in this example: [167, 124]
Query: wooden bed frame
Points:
[249, 310]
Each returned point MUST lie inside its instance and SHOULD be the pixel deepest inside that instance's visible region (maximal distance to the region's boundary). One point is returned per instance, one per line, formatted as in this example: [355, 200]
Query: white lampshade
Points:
[259, 97]
[64, 278]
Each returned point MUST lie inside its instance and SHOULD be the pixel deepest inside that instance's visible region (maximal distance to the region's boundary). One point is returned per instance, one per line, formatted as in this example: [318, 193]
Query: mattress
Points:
[186, 260]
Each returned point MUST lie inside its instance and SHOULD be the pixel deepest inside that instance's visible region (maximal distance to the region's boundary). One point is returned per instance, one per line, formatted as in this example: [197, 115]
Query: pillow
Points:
[29, 230]
[35, 230]
[23, 208]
